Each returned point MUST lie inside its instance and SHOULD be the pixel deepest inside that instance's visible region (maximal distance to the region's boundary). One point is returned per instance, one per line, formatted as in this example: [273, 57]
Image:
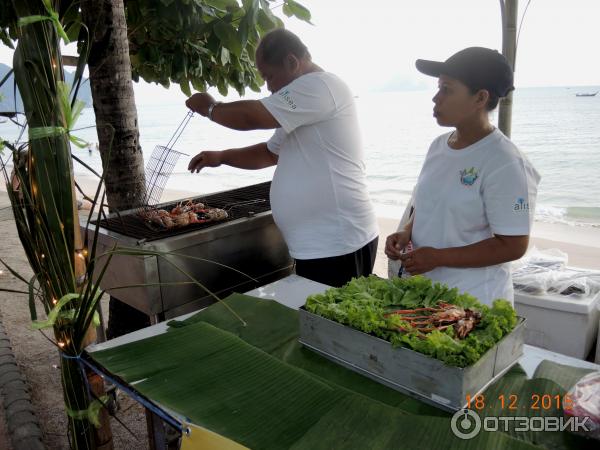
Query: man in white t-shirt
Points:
[319, 195]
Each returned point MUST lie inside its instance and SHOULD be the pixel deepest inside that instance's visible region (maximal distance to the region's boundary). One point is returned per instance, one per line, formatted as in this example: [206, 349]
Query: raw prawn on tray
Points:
[445, 315]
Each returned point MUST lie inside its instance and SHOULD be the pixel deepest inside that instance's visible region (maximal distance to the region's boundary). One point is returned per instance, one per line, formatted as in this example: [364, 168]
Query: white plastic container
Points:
[560, 323]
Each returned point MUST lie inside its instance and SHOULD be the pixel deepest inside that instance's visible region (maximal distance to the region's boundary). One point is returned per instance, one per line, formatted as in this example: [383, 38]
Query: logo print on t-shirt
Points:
[469, 176]
[288, 98]
[521, 205]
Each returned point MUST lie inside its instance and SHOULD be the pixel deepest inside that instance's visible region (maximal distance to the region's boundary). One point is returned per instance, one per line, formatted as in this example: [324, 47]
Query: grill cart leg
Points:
[161, 436]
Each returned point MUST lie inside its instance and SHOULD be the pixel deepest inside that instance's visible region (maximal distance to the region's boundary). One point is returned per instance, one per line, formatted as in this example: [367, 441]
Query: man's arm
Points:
[241, 115]
[253, 157]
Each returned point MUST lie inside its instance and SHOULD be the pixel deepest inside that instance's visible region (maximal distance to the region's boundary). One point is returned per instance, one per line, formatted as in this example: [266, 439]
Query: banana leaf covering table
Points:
[230, 384]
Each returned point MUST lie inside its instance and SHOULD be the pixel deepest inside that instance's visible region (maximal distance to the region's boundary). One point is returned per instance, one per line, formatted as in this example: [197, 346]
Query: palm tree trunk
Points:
[114, 102]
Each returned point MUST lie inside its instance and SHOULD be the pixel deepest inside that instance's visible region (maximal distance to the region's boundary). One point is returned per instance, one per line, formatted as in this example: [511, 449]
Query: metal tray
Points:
[405, 370]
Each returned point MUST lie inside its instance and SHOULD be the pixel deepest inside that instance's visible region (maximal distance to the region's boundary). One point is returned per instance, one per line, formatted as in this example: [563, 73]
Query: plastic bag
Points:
[547, 272]
[584, 399]
[394, 266]
[550, 259]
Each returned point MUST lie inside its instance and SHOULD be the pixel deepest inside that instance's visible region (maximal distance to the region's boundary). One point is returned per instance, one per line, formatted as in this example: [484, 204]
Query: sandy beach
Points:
[581, 244]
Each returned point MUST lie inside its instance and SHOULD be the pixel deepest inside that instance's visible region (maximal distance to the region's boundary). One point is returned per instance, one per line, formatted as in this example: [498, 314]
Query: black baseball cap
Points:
[477, 67]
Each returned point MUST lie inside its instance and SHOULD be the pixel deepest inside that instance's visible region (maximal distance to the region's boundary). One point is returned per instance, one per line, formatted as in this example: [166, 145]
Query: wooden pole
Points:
[509, 10]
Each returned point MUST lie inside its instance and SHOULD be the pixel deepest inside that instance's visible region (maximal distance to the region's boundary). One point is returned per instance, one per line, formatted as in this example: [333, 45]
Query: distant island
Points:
[7, 90]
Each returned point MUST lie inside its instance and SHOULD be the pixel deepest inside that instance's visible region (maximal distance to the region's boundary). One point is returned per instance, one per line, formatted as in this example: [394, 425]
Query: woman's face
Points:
[454, 103]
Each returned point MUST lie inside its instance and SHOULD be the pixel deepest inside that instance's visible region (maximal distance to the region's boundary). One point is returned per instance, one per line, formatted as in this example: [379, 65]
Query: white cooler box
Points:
[560, 323]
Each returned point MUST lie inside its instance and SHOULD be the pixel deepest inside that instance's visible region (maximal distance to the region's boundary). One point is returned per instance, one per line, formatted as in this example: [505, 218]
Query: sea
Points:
[557, 130]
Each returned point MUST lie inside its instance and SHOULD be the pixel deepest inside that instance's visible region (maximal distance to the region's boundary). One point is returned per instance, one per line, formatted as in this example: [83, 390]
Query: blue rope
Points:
[138, 398]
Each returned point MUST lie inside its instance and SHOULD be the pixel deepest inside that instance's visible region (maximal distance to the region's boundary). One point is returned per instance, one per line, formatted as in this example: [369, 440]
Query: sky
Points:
[373, 45]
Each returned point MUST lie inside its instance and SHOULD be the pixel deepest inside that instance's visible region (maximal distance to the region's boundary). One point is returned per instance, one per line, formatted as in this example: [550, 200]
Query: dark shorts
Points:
[338, 270]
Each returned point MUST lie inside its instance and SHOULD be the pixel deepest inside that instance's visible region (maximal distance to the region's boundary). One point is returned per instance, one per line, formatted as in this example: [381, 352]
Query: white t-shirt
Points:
[468, 195]
[319, 195]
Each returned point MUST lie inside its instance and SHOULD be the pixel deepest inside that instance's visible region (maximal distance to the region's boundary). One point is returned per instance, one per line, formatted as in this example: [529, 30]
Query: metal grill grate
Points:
[161, 164]
[241, 202]
[158, 170]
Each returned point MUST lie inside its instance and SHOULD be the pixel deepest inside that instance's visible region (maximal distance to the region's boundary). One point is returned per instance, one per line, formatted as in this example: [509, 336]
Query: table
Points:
[292, 292]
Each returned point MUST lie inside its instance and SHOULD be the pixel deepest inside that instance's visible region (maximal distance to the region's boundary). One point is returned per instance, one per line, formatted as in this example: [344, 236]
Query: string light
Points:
[61, 344]
[54, 301]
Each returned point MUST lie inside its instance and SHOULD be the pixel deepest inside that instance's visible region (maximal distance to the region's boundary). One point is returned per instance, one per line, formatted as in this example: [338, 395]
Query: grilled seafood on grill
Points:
[183, 215]
[187, 207]
[445, 315]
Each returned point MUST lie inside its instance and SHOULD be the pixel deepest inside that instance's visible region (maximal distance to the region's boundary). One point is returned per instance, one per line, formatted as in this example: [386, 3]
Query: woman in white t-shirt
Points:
[475, 196]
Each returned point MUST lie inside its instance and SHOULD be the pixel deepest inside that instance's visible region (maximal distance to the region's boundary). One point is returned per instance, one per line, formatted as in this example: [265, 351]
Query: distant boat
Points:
[586, 94]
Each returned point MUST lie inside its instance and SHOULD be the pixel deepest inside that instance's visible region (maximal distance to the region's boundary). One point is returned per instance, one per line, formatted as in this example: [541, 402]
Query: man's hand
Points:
[200, 102]
[395, 243]
[205, 159]
[420, 260]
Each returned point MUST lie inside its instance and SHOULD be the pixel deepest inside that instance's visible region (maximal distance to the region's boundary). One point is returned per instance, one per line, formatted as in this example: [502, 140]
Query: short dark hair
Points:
[493, 99]
[279, 43]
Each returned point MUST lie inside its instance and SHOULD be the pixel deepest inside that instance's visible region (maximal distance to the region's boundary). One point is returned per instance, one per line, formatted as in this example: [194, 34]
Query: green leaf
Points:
[92, 413]
[225, 56]
[32, 298]
[228, 37]
[13, 291]
[265, 21]
[222, 86]
[242, 32]
[198, 85]
[6, 40]
[293, 8]
[221, 4]
[55, 313]
[184, 85]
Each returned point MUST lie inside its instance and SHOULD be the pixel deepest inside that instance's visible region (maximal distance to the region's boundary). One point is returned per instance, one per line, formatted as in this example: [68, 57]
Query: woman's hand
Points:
[395, 243]
[205, 159]
[420, 260]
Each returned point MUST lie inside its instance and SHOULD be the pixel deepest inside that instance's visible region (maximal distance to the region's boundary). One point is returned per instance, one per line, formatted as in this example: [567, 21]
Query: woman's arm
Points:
[496, 250]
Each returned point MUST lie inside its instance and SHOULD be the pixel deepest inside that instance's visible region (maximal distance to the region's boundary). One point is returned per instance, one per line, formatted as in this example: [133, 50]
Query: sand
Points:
[38, 359]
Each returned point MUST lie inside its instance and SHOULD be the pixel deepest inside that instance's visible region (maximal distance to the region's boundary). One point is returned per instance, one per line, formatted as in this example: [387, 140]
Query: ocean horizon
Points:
[558, 131]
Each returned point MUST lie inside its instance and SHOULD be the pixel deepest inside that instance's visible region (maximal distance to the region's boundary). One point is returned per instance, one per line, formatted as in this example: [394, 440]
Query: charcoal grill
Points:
[248, 241]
